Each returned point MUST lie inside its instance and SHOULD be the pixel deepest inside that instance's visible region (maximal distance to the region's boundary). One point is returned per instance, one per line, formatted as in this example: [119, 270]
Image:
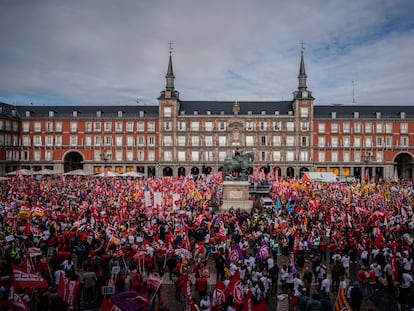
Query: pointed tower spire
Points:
[170, 75]
[302, 73]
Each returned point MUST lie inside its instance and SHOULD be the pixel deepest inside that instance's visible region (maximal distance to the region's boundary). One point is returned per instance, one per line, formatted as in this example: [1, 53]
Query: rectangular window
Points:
[181, 156]
[222, 155]
[290, 156]
[357, 127]
[345, 127]
[181, 141]
[119, 141]
[263, 125]
[304, 141]
[304, 112]
[404, 142]
[25, 140]
[73, 140]
[97, 140]
[334, 128]
[37, 140]
[304, 125]
[263, 140]
[208, 156]
[151, 126]
[48, 155]
[290, 141]
[118, 126]
[151, 141]
[140, 155]
[151, 155]
[368, 141]
[8, 126]
[58, 126]
[388, 128]
[321, 128]
[167, 112]
[181, 126]
[346, 156]
[49, 126]
[108, 140]
[380, 141]
[357, 156]
[379, 156]
[167, 156]
[36, 155]
[334, 156]
[130, 127]
[290, 126]
[97, 127]
[167, 141]
[276, 156]
[195, 141]
[304, 156]
[37, 127]
[194, 156]
[249, 141]
[195, 126]
[357, 142]
[222, 141]
[58, 140]
[141, 141]
[97, 155]
[208, 140]
[140, 127]
[16, 127]
[167, 126]
[368, 127]
[334, 141]
[277, 125]
[404, 128]
[88, 127]
[49, 140]
[118, 155]
[209, 126]
[321, 141]
[130, 141]
[130, 155]
[88, 141]
[249, 126]
[321, 156]
[388, 141]
[222, 125]
[347, 142]
[108, 126]
[25, 127]
[379, 128]
[277, 141]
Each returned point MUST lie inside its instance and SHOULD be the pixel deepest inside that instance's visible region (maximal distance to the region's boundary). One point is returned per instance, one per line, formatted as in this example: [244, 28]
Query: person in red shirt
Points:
[323, 246]
[201, 286]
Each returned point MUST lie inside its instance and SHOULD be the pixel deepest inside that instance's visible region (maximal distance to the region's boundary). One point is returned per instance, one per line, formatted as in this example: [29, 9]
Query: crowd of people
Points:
[87, 242]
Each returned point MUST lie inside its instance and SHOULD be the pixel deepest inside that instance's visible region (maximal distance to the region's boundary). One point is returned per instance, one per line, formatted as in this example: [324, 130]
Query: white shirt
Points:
[377, 269]
[296, 283]
[326, 285]
[345, 261]
[408, 279]
[206, 304]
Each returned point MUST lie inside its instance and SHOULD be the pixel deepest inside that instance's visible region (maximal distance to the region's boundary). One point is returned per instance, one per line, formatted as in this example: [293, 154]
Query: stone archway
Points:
[404, 165]
[167, 171]
[181, 171]
[195, 170]
[302, 171]
[73, 160]
[290, 172]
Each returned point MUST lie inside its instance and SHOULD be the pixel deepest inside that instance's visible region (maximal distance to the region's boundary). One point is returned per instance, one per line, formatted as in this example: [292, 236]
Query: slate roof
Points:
[365, 112]
[216, 107]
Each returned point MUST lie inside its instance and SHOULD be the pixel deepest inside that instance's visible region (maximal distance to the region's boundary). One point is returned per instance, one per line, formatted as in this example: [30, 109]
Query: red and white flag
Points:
[24, 279]
[219, 295]
[18, 303]
[236, 287]
[68, 290]
[154, 280]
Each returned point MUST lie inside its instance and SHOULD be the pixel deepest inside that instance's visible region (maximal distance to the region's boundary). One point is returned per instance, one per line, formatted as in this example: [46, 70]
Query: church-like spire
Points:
[302, 74]
[170, 76]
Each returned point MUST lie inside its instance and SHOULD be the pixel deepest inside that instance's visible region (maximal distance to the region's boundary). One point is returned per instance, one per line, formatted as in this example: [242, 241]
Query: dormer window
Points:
[141, 113]
[120, 114]
[208, 112]
[402, 115]
[290, 113]
[378, 115]
[222, 113]
[27, 113]
[195, 112]
[356, 115]
[74, 113]
[277, 112]
[249, 112]
[263, 113]
[51, 113]
[13, 112]
[333, 115]
[182, 112]
[99, 113]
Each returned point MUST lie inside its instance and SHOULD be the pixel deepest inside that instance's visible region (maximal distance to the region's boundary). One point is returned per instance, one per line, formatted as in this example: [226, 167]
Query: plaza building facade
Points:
[180, 137]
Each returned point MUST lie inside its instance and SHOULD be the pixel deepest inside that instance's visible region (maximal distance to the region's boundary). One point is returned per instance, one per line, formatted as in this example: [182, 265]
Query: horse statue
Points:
[237, 167]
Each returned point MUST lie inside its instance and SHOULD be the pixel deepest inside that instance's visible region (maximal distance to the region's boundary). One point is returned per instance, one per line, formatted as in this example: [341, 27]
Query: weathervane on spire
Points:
[170, 46]
[302, 46]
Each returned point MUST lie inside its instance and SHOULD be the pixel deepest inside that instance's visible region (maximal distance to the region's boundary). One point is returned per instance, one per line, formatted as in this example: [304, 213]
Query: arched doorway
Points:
[290, 172]
[181, 171]
[73, 160]
[264, 169]
[302, 171]
[167, 171]
[277, 172]
[195, 171]
[404, 163]
[208, 170]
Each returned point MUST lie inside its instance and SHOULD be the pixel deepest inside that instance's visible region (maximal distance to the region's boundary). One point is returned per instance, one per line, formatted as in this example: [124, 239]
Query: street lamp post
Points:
[105, 157]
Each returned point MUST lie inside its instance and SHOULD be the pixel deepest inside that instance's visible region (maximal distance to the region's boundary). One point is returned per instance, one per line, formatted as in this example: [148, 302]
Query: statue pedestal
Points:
[235, 195]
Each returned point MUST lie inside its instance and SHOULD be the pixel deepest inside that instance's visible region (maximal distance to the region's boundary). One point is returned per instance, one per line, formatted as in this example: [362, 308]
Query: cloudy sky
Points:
[115, 52]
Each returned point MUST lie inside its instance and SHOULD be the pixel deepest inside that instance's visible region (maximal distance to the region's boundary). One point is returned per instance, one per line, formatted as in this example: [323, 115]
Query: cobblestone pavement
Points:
[385, 301]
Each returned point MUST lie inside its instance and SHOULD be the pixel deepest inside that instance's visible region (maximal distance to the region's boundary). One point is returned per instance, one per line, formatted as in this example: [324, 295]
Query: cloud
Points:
[116, 52]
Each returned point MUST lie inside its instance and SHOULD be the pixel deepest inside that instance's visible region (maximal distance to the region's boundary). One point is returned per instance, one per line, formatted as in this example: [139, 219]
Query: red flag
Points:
[236, 287]
[68, 290]
[219, 294]
[248, 302]
[341, 304]
[154, 280]
[18, 303]
[27, 265]
[24, 279]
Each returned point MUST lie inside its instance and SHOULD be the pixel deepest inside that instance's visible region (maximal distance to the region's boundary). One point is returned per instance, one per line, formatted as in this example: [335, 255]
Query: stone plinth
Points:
[235, 195]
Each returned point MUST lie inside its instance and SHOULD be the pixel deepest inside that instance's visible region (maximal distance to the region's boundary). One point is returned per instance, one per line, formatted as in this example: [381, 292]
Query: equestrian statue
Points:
[237, 167]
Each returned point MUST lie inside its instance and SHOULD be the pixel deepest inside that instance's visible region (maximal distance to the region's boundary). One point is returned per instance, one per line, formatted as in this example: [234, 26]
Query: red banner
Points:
[68, 290]
[24, 279]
